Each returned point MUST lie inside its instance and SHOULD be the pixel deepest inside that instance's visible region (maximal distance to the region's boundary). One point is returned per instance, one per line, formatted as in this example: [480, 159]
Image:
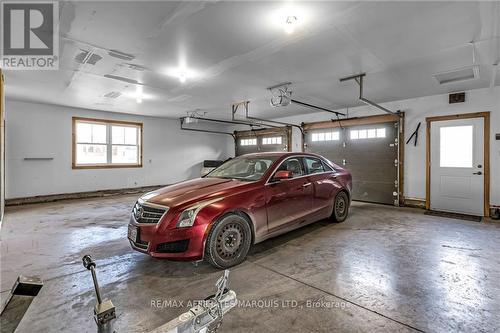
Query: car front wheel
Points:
[340, 207]
[228, 241]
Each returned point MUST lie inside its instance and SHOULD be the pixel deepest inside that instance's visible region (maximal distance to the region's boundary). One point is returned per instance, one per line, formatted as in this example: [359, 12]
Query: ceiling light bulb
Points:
[139, 100]
[182, 77]
[290, 24]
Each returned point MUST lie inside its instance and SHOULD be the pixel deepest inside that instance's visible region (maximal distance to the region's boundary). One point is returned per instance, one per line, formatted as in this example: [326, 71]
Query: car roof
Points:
[279, 154]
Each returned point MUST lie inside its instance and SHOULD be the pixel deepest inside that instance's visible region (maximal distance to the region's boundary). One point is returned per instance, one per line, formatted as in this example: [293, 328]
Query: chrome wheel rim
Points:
[230, 240]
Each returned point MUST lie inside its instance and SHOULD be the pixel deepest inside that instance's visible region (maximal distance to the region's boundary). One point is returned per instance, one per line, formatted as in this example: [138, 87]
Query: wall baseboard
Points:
[79, 195]
[414, 202]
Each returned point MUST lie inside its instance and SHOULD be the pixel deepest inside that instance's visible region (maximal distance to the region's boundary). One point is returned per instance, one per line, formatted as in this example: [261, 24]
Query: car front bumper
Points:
[185, 244]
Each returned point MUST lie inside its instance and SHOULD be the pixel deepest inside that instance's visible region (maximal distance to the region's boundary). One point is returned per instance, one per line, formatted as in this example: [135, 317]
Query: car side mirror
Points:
[282, 175]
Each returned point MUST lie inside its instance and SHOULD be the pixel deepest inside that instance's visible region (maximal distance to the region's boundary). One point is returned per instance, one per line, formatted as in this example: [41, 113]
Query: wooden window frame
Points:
[75, 120]
[486, 147]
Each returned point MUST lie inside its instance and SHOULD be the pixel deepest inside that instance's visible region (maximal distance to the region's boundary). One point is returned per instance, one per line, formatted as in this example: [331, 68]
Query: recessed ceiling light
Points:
[182, 73]
[290, 24]
[182, 77]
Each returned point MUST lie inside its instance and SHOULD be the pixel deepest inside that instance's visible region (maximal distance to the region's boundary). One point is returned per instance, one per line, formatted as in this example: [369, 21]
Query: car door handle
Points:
[306, 185]
[477, 173]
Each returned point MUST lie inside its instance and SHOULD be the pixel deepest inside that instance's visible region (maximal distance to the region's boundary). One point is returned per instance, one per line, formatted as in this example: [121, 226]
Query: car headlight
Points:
[188, 216]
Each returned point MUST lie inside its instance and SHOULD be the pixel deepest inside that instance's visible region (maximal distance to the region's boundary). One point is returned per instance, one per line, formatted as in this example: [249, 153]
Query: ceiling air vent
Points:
[456, 98]
[113, 94]
[87, 57]
[458, 75]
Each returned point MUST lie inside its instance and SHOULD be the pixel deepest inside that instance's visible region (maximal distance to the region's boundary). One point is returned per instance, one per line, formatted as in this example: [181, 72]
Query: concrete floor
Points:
[384, 269]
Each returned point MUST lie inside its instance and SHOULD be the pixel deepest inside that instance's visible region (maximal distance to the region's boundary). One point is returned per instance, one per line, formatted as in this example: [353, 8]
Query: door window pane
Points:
[380, 132]
[456, 146]
[294, 165]
[248, 142]
[272, 140]
[314, 165]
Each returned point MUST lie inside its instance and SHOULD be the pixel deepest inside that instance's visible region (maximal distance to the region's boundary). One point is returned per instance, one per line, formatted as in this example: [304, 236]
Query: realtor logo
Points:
[30, 35]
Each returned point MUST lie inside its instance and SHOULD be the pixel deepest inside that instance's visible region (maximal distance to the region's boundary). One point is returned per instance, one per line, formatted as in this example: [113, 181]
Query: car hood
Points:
[192, 191]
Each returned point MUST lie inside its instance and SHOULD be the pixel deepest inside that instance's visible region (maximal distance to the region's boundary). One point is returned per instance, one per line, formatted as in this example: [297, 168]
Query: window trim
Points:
[74, 165]
[269, 179]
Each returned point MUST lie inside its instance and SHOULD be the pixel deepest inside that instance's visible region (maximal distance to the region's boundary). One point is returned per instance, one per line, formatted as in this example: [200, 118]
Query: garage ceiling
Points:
[232, 51]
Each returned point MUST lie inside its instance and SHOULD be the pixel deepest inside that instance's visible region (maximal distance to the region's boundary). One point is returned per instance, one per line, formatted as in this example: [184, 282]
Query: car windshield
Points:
[244, 168]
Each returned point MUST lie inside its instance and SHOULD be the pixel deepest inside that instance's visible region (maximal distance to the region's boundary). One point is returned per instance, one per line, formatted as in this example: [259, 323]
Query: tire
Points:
[340, 207]
[228, 241]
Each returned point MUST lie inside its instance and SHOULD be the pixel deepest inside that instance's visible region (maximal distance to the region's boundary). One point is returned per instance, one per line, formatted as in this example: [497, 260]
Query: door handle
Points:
[306, 185]
[477, 173]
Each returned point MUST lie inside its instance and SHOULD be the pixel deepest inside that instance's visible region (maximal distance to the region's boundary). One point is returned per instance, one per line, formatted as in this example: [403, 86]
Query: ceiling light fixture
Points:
[182, 73]
[290, 24]
[182, 77]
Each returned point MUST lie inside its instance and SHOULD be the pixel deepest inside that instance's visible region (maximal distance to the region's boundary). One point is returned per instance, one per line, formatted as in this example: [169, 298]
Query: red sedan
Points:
[244, 201]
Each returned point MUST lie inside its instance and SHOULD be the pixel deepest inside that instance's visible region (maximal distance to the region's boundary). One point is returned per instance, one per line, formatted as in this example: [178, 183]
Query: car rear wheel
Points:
[340, 207]
[228, 241]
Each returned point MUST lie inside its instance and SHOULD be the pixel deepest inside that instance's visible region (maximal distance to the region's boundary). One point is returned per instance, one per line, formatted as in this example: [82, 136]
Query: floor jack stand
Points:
[104, 311]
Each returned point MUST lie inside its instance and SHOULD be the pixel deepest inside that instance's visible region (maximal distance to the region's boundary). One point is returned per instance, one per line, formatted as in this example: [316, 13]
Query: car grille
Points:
[147, 214]
[173, 247]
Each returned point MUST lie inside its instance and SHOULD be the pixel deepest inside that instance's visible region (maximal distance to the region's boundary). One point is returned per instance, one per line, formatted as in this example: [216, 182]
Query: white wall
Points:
[39, 130]
[417, 110]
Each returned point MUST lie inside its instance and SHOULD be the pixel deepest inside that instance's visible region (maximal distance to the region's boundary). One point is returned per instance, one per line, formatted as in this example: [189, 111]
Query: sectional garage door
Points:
[368, 148]
[265, 140]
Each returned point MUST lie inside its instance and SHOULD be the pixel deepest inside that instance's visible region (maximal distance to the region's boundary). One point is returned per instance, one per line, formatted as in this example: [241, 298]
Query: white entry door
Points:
[457, 166]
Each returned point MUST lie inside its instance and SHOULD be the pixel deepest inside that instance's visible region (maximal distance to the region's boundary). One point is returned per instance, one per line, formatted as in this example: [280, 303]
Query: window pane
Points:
[362, 134]
[131, 135]
[456, 146]
[335, 136]
[328, 136]
[315, 137]
[321, 136]
[371, 133]
[118, 135]
[98, 133]
[314, 165]
[248, 142]
[91, 154]
[275, 140]
[83, 132]
[124, 155]
[354, 134]
[380, 132]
